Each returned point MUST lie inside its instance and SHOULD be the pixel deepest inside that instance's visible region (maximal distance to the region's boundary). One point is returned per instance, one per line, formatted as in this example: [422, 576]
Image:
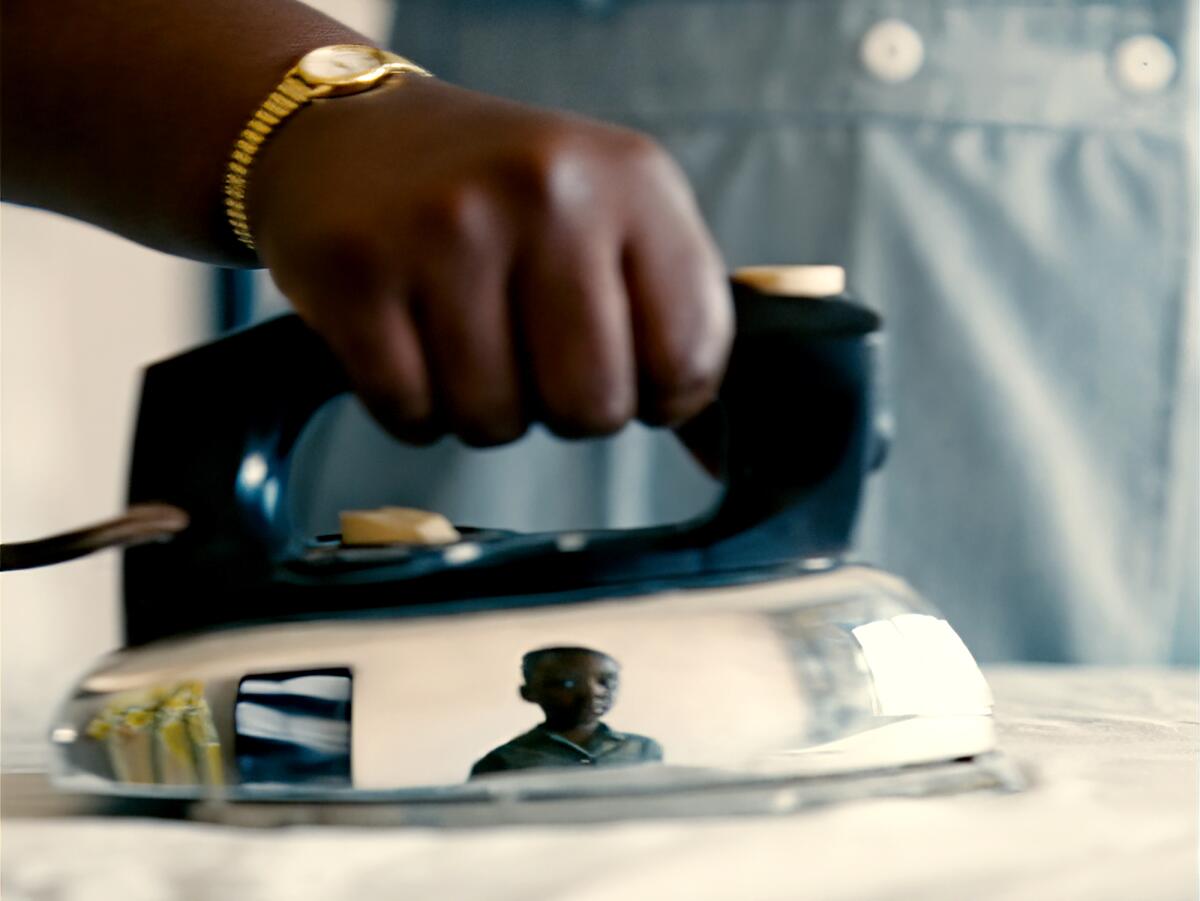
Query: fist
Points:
[478, 265]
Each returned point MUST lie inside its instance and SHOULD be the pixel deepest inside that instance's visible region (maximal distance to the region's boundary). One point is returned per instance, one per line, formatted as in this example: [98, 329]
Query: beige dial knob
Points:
[794, 281]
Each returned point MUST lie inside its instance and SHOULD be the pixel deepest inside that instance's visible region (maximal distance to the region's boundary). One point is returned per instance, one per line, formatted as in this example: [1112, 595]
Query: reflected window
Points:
[919, 665]
[294, 727]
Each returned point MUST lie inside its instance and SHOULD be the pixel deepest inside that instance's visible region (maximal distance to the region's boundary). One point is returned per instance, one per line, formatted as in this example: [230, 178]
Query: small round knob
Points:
[794, 281]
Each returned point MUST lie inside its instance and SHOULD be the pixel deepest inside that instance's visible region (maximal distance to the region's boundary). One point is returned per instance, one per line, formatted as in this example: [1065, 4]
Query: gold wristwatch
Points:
[333, 71]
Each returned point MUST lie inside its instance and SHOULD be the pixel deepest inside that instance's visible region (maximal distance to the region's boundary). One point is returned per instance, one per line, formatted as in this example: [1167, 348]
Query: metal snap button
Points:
[1143, 64]
[892, 51]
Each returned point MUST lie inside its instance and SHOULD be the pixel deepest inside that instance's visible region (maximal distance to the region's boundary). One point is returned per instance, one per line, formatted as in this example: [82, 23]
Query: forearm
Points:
[123, 114]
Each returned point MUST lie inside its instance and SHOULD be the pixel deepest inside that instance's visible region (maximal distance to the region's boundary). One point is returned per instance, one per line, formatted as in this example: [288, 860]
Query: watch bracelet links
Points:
[291, 94]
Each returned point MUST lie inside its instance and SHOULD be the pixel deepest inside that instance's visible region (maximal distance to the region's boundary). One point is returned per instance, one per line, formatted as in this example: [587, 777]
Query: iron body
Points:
[268, 666]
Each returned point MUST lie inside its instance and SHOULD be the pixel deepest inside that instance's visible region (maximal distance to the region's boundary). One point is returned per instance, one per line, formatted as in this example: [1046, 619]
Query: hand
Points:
[478, 265]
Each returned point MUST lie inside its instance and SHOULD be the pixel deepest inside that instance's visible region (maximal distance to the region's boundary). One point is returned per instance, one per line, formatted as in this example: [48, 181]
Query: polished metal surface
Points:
[744, 691]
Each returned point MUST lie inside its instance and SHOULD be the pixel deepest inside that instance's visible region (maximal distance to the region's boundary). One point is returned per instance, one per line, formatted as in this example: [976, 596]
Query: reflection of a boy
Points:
[575, 687]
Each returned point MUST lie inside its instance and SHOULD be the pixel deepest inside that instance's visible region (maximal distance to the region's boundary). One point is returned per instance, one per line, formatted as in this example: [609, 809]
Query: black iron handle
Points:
[793, 421]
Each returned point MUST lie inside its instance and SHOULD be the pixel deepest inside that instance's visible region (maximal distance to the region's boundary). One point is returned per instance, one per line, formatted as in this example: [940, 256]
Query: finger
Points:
[680, 305]
[379, 345]
[466, 324]
[578, 340]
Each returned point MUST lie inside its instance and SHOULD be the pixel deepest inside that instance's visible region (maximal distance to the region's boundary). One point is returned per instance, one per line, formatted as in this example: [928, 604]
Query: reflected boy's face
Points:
[573, 689]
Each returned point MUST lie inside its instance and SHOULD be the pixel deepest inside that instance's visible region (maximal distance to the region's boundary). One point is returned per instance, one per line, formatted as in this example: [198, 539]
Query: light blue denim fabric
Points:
[1023, 222]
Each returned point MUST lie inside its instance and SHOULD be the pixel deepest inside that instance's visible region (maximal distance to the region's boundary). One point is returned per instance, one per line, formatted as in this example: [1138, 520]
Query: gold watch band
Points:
[293, 93]
[289, 96]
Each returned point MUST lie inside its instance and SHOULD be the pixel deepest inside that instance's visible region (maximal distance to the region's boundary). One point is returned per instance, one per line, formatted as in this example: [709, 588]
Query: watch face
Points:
[338, 64]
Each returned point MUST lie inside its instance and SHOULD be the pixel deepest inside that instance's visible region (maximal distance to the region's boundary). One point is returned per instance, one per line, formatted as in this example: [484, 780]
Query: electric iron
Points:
[733, 663]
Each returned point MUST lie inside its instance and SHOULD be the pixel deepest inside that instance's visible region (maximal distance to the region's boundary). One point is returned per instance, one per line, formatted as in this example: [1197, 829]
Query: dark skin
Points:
[575, 691]
[476, 264]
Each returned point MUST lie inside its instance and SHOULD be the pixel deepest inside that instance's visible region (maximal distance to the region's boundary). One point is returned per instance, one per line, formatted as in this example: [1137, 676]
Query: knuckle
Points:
[644, 155]
[642, 148]
[683, 397]
[608, 418]
[534, 172]
[684, 402]
[491, 431]
[602, 410]
[459, 217]
[481, 404]
[520, 164]
[556, 175]
[401, 402]
[686, 377]
[571, 171]
[695, 372]
[405, 416]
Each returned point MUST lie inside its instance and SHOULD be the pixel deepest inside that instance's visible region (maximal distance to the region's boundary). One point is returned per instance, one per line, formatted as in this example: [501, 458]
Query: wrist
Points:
[320, 76]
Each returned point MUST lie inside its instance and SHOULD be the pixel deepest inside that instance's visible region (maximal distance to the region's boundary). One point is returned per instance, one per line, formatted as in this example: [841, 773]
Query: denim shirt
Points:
[1011, 185]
